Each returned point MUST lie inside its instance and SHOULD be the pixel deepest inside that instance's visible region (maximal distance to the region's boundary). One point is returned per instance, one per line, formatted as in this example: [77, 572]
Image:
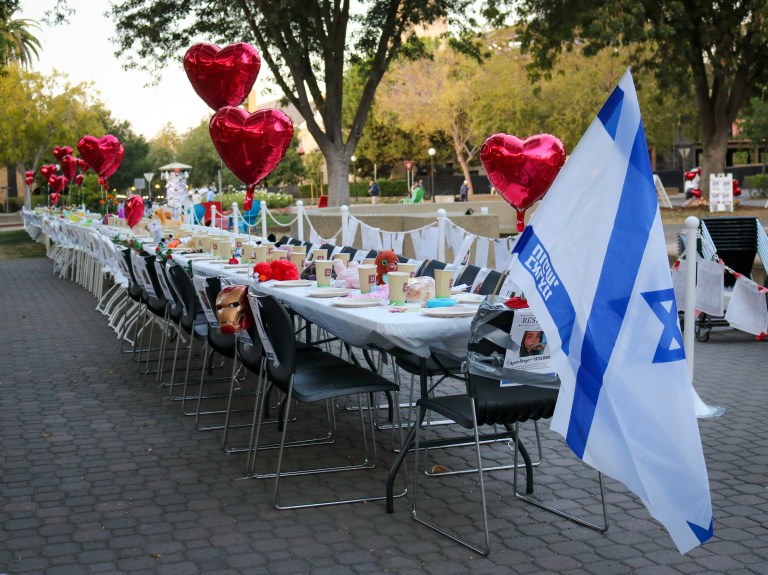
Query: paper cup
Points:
[205, 243]
[367, 278]
[269, 247]
[408, 268]
[319, 254]
[258, 254]
[369, 261]
[281, 254]
[398, 284]
[443, 283]
[323, 268]
[299, 249]
[247, 254]
[297, 258]
[343, 257]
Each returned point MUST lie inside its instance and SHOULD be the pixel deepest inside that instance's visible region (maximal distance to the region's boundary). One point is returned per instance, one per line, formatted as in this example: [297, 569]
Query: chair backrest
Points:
[186, 291]
[428, 268]
[327, 247]
[735, 239]
[467, 275]
[486, 349]
[156, 304]
[252, 355]
[279, 329]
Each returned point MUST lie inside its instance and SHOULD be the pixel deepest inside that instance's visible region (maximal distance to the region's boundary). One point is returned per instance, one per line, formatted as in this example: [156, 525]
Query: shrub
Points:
[757, 185]
[273, 200]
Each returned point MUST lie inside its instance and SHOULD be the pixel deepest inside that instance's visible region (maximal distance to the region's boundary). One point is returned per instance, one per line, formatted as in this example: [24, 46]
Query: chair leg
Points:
[486, 549]
[601, 528]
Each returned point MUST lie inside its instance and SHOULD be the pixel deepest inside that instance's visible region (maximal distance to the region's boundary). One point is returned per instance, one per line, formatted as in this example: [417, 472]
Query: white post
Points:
[345, 240]
[689, 322]
[213, 216]
[235, 217]
[264, 219]
[300, 220]
[441, 234]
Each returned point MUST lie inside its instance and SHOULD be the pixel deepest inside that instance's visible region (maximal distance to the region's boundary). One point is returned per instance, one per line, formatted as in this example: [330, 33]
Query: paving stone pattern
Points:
[100, 474]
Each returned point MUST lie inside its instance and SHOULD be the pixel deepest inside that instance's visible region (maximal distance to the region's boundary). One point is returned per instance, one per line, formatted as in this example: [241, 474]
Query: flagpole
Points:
[691, 226]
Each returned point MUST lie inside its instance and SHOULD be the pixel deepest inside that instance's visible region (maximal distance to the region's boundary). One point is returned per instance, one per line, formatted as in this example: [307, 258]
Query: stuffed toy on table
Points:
[280, 270]
[386, 262]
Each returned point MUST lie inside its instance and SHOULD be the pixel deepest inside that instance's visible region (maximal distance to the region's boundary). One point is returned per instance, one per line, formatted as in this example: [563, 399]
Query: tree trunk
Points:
[714, 156]
[337, 162]
[459, 148]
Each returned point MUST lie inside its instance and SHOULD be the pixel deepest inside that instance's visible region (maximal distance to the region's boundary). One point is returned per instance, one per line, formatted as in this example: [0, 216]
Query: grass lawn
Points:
[18, 244]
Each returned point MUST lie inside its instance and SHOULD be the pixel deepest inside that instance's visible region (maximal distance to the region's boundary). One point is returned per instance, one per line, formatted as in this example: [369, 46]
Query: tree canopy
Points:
[306, 44]
[715, 50]
[17, 41]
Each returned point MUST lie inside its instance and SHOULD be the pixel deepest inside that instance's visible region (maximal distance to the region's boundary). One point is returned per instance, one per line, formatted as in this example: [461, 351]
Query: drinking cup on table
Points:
[443, 283]
[398, 283]
[205, 243]
[323, 268]
[281, 254]
[409, 268]
[369, 261]
[247, 253]
[367, 278]
[344, 257]
[269, 247]
[257, 253]
[318, 254]
[299, 249]
[297, 258]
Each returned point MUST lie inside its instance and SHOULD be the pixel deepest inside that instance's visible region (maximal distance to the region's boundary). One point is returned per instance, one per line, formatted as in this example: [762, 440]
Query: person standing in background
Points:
[463, 192]
[374, 191]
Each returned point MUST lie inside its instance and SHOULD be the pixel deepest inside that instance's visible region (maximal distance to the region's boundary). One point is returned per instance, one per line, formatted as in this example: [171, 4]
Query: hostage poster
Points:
[527, 349]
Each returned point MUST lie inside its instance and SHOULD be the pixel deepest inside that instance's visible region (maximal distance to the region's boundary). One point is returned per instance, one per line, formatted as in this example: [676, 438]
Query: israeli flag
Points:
[593, 266]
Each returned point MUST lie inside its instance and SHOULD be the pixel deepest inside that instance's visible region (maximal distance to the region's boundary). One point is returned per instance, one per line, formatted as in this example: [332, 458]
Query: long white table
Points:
[383, 327]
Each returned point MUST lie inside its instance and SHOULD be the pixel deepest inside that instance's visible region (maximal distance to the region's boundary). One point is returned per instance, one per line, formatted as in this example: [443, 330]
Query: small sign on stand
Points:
[721, 192]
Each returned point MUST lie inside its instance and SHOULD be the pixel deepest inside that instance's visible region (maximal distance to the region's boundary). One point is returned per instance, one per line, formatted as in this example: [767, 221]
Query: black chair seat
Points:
[336, 381]
[528, 403]
[222, 343]
[200, 330]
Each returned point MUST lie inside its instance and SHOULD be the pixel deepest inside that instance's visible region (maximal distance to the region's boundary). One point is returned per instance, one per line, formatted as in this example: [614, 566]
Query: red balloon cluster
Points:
[522, 170]
[103, 155]
[251, 146]
[29, 177]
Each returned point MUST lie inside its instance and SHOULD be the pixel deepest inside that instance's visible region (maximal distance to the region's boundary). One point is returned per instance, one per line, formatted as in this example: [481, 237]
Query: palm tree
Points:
[17, 42]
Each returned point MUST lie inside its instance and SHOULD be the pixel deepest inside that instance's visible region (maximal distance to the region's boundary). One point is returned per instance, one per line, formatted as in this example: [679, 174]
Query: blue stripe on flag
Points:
[634, 219]
[535, 259]
[610, 113]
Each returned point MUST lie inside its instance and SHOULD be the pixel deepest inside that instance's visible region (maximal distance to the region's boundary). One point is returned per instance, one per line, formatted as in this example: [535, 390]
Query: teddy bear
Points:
[386, 262]
[347, 273]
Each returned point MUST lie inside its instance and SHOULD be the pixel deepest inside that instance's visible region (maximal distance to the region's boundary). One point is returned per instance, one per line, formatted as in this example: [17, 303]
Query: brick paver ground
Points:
[100, 474]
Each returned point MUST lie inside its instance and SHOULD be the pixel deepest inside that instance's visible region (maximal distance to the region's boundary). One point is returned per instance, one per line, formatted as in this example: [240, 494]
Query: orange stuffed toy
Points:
[386, 262]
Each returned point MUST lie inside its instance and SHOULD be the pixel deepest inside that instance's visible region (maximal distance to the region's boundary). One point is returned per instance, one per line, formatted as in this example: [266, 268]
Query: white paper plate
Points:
[358, 302]
[293, 283]
[471, 298]
[329, 292]
[455, 311]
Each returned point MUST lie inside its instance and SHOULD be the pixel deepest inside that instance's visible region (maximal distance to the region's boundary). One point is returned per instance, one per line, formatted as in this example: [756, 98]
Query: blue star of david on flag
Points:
[670, 347]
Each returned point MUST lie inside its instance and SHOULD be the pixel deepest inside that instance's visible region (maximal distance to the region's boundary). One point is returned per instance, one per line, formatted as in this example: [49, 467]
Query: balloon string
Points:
[520, 220]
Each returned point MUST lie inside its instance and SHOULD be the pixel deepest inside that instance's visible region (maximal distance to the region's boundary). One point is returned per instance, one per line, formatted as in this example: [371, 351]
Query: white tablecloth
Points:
[361, 327]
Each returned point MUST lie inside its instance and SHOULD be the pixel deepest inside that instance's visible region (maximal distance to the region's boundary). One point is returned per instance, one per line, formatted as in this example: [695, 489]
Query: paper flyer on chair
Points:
[527, 349]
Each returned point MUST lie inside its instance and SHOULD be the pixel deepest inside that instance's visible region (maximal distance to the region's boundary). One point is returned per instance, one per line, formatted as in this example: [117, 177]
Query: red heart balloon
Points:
[30, 179]
[113, 167]
[134, 210]
[79, 180]
[47, 170]
[522, 171]
[69, 167]
[58, 183]
[222, 77]
[60, 151]
[82, 165]
[101, 153]
[251, 146]
[54, 198]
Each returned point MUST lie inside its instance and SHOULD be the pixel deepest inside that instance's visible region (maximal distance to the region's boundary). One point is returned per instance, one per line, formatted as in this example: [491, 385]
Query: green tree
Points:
[196, 149]
[754, 122]
[40, 112]
[306, 44]
[17, 42]
[136, 159]
[439, 94]
[715, 50]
